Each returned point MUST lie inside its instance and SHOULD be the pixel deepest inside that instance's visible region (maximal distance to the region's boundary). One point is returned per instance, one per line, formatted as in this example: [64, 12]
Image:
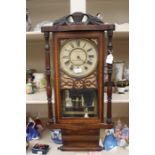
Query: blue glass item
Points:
[56, 136]
[32, 132]
[109, 142]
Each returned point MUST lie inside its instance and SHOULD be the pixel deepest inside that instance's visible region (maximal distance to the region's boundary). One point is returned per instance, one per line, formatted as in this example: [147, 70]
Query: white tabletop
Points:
[46, 139]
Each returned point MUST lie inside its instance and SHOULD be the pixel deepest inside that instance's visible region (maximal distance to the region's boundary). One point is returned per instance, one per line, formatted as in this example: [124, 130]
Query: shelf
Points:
[41, 98]
[121, 35]
[34, 36]
[119, 98]
[46, 139]
[37, 98]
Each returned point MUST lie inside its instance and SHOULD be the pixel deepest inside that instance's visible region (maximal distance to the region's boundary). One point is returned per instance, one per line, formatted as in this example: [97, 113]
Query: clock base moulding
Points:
[80, 137]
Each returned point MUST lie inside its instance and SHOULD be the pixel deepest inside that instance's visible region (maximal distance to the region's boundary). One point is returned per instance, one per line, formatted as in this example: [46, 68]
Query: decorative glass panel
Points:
[79, 103]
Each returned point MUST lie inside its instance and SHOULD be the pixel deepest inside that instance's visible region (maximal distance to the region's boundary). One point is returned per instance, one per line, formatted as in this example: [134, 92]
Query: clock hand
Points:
[78, 57]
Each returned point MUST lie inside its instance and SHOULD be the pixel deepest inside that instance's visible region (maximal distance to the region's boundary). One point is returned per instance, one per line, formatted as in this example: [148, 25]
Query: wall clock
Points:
[78, 48]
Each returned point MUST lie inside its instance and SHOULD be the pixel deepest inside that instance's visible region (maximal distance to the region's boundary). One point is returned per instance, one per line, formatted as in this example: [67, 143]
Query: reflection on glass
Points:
[79, 103]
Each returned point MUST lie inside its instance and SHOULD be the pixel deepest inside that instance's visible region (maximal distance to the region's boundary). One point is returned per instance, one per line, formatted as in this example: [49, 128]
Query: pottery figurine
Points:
[109, 142]
[56, 136]
[40, 81]
[119, 70]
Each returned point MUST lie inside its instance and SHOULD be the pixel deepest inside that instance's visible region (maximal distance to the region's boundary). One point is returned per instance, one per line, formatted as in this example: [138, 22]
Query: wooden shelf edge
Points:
[80, 126]
[62, 148]
[40, 98]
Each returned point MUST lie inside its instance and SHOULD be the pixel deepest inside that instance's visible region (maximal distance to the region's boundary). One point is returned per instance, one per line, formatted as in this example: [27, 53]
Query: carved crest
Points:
[78, 18]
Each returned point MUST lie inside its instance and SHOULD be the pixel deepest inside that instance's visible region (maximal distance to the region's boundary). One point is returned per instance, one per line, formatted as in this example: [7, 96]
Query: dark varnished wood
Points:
[78, 133]
[81, 139]
[56, 47]
[86, 147]
[77, 19]
[67, 28]
[109, 83]
[76, 127]
[101, 76]
[48, 76]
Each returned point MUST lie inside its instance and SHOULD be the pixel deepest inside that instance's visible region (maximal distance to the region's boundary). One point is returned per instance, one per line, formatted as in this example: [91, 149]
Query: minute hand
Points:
[78, 57]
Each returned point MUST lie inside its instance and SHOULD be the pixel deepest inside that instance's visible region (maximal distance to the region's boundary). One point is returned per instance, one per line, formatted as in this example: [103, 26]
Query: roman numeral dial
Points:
[89, 62]
[78, 57]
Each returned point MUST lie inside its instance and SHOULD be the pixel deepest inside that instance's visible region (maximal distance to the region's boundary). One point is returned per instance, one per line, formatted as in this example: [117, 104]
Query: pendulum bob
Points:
[80, 101]
[89, 97]
[68, 101]
[75, 96]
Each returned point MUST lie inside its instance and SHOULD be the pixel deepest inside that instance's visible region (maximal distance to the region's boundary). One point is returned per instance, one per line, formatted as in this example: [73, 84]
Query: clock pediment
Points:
[78, 18]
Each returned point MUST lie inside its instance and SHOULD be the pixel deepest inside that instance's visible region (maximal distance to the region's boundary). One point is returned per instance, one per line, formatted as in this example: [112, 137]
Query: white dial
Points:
[78, 57]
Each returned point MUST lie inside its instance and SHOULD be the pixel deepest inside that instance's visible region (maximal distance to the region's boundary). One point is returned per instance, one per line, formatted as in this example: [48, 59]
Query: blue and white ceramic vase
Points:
[56, 136]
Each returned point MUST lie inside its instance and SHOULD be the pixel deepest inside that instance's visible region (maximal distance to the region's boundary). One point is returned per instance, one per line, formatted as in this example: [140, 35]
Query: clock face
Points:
[78, 57]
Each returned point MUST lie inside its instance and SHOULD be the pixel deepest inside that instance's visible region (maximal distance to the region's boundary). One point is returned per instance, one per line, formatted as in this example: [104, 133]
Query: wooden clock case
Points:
[79, 133]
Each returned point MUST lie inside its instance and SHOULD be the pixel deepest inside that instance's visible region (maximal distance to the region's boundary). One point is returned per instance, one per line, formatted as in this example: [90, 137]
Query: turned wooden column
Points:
[109, 86]
[48, 76]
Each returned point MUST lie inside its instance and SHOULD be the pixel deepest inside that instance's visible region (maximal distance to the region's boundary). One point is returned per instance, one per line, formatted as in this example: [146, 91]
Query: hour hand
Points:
[79, 58]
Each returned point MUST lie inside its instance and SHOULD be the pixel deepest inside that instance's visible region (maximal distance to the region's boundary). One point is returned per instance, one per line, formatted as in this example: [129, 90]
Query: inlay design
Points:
[67, 82]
